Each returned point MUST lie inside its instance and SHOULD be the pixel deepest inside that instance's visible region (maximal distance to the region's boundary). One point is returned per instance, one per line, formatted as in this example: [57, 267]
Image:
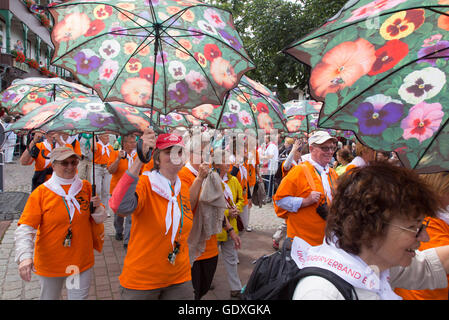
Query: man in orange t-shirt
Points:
[38, 151]
[118, 163]
[157, 263]
[299, 202]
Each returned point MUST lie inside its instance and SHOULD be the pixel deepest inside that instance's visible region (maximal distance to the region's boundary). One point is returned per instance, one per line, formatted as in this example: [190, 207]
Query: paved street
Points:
[108, 264]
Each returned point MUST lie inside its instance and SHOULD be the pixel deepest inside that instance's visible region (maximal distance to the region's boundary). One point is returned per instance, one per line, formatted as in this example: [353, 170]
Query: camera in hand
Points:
[322, 210]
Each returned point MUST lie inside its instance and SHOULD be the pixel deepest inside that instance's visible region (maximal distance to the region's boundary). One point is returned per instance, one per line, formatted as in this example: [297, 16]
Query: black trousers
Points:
[203, 272]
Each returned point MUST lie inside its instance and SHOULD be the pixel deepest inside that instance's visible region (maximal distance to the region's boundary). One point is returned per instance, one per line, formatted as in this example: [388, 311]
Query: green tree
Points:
[267, 27]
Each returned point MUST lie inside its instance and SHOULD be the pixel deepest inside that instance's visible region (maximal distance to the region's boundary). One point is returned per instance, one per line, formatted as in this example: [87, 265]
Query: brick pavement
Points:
[108, 265]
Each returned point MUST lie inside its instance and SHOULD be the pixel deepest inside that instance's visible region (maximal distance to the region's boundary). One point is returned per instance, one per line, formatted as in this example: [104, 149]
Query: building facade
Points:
[26, 47]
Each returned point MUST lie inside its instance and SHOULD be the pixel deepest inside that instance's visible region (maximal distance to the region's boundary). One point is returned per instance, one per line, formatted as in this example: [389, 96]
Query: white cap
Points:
[320, 137]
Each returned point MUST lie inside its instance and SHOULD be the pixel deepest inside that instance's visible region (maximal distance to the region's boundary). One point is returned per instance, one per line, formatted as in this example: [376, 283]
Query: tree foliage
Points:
[267, 27]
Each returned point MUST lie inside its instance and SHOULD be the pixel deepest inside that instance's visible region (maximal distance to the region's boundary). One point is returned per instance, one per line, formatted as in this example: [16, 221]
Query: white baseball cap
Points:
[320, 137]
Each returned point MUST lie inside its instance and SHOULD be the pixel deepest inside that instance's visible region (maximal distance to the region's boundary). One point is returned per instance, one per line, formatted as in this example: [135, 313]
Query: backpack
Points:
[275, 277]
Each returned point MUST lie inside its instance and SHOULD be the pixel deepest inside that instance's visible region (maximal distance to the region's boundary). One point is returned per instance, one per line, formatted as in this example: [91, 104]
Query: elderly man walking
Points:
[306, 191]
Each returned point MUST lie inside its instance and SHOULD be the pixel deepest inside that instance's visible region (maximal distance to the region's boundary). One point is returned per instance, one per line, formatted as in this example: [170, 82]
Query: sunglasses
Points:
[327, 149]
[416, 231]
[73, 163]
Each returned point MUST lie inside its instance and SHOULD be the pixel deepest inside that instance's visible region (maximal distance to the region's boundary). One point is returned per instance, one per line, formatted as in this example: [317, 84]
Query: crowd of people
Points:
[343, 200]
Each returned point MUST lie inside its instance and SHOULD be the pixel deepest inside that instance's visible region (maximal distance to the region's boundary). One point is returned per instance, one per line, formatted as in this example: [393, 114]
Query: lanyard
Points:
[68, 238]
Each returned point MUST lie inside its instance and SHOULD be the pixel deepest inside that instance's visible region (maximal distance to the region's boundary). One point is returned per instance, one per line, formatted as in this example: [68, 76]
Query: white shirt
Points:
[272, 150]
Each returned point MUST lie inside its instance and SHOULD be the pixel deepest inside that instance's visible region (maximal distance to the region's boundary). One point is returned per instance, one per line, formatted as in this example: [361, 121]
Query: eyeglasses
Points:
[73, 163]
[327, 149]
[418, 230]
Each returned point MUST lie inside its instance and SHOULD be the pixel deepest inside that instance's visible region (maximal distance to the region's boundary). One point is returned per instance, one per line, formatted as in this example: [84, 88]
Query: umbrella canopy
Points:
[301, 107]
[169, 54]
[88, 114]
[248, 106]
[381, 67]
[26, 94]
[174, 120]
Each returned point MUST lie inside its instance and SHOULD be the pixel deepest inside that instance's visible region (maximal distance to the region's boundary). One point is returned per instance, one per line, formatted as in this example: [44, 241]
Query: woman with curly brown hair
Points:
[374, 228]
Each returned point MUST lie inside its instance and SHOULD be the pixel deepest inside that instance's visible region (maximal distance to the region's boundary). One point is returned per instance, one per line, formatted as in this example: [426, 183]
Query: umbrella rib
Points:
[215, 38]
[252, 112]
[434, 137]
[164, 72]
[124, 65]
[381, 80]
[222, 109]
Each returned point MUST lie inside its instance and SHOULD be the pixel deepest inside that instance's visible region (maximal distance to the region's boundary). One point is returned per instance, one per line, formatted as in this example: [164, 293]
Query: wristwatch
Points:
[229, 230]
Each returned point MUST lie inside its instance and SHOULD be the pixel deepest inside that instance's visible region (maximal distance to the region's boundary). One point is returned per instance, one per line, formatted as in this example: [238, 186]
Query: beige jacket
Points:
[425, 272]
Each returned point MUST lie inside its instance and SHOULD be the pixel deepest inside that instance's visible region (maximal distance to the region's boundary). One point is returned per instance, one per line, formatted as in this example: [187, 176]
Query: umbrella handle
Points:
[144, 158]
[94, 193]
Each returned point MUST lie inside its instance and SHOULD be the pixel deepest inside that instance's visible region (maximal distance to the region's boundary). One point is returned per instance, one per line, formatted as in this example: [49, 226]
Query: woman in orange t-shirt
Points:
[157, 265]
[58, 214]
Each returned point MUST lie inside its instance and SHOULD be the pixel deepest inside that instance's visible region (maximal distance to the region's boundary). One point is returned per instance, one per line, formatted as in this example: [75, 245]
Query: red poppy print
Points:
[389, 56]
[211, 51]
[95, 27]
[148, 74]
[262, 107]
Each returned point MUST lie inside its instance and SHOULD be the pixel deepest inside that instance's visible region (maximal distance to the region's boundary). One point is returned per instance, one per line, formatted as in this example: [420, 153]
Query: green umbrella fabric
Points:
[381, 68]
[26, 94]
[89, 114]
[174, 120]
[168, 54]
[301, 107]
[250, 105]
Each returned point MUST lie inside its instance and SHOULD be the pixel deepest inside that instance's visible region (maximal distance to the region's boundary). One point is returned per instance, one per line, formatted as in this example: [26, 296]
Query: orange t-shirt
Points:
[252, 171]
[350, 167]
[211, 249]
[438, 231]
[305, 223]
[148, 166]
[146, 264]
[284, 172]
[46, 212]
[121, 169]
[103, 159]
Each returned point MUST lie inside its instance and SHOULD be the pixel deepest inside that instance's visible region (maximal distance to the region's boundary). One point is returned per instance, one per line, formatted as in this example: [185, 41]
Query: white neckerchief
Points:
[444, 215]
[69, 140]
[227, 190]
[131, 158]
[191, 168]
[349, 267]
[49, 147]
[76, 184]
[243, 171]
[324, 177]
[358, 162]
[104, 148]
[161, 185]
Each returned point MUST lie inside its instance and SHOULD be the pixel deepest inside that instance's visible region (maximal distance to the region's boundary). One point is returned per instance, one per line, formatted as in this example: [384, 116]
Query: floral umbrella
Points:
[381, 67]
[26, 94]
[84, 114]
[248, 106]
[165, 54]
